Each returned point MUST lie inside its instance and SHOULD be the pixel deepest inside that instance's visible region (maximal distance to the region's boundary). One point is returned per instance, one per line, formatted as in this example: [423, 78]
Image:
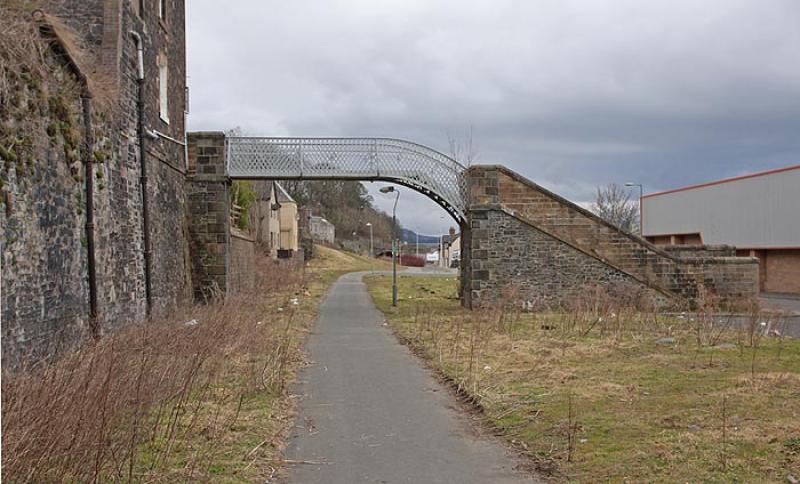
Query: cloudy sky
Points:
[572, 94]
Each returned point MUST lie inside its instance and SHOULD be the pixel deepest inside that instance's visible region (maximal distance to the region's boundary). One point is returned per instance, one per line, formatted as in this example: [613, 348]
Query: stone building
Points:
[287, 212]
[265, 217]
[95, 235]
[322, 230]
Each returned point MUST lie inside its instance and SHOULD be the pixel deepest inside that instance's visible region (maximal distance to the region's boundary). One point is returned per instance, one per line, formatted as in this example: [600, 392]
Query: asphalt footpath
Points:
[370, 412]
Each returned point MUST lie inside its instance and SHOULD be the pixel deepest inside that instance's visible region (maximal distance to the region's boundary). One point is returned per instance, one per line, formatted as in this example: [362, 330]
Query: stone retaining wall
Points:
[241, 277]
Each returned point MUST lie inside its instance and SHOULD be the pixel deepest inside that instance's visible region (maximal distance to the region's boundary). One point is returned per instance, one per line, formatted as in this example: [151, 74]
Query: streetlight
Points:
[390, 189]
[641, 189]
[371, 254]
[441, 246]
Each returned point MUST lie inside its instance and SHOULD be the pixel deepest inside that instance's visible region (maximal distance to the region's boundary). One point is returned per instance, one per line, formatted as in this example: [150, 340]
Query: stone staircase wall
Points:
[553, 248]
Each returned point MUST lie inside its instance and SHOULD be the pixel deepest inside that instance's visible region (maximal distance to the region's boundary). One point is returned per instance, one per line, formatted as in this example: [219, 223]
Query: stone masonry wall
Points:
[208, 212]
[45, 299]
[495, 188]
[42, 216]
[242, 268]
[695, 251]
[223, 258]
[513, 260]
[164, 41]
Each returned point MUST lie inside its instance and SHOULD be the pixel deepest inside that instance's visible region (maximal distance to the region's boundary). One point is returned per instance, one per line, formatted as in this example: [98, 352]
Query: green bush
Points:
[244, 196]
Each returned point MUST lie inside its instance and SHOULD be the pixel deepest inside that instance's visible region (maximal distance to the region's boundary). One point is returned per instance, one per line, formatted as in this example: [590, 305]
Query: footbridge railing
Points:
[426, 170]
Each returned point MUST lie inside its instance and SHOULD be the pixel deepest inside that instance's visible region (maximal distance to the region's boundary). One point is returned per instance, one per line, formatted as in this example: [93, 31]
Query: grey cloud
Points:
[573, 94]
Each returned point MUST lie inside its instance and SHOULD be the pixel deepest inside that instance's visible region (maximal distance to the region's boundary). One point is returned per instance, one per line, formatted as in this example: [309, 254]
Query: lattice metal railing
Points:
[403, 162]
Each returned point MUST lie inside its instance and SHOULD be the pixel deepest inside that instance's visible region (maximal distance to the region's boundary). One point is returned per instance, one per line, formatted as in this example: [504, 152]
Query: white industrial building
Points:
[759, 214]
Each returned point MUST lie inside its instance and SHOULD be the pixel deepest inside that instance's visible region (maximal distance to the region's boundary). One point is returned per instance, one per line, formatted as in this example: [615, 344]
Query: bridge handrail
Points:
[375, 158]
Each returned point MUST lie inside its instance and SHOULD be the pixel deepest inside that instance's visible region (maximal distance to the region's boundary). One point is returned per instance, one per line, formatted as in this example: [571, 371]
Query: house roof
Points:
[449, 239]
[320, 219]
[282, 195]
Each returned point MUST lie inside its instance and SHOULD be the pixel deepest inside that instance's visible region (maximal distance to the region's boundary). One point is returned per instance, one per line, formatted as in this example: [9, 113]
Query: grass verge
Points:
[200, 395]
[605, 393]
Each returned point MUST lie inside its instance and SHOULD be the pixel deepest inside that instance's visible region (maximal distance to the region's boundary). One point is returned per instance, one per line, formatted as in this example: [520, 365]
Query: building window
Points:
[162, 9]
[163, 89]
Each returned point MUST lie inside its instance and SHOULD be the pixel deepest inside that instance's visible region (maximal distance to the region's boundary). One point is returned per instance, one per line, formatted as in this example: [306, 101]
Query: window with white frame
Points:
[163, 89]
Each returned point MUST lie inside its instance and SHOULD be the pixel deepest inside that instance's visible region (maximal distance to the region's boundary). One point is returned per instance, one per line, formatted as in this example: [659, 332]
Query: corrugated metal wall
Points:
[759, 211]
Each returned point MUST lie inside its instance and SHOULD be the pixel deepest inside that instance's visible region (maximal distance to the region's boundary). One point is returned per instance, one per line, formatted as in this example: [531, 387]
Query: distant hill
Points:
[410, 236]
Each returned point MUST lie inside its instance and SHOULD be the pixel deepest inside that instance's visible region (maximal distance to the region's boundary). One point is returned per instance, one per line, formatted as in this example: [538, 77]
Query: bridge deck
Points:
[421, 168]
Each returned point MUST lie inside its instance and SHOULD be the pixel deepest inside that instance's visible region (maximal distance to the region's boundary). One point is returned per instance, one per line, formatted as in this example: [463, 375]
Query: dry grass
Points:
[596, 394]
[199, 396]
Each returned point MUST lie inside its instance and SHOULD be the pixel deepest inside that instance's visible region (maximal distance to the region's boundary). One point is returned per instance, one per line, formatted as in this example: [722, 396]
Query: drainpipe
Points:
[142, 134]
[86, 154]
[88, 142]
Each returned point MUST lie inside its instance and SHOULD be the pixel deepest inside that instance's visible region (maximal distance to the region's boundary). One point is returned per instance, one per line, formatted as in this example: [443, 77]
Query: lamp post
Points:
[441, 251]
[441, 246]
[371, 254]
[641, 189]
[391, 189]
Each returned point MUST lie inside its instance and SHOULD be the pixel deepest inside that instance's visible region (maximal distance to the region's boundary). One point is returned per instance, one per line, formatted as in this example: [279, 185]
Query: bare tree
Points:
[614, 204]
[461, 146]
[235, 131]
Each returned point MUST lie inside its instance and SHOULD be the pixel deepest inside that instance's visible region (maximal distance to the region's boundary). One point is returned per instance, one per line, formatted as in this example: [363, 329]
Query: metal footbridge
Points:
[370, 159]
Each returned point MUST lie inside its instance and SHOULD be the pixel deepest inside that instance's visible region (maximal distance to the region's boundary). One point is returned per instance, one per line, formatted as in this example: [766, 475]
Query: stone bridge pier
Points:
[208, 208]
[525, 244]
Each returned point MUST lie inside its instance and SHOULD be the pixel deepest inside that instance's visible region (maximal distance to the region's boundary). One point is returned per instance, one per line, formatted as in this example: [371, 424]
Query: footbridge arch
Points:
[423, 169]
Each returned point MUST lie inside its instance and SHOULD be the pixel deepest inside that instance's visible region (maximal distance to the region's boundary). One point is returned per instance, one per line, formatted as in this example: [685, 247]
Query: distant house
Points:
[273, 219]
[321, 230]
[287, 213]
[264, 217]
[451, 250]
[757, 213]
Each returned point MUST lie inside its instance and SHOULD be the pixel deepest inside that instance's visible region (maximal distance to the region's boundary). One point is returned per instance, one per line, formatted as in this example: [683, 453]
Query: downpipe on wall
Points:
[87, 156]
[142, 134]
[88, 143]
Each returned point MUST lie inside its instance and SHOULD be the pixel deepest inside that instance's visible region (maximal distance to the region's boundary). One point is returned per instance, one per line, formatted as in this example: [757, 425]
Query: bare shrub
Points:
[88, 416]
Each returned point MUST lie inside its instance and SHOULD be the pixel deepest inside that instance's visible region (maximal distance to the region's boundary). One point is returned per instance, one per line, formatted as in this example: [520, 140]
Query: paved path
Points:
[373, 414]
[781, 302]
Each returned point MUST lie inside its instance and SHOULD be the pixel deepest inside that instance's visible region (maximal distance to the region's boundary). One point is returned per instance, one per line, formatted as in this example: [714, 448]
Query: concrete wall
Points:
[523, 235]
